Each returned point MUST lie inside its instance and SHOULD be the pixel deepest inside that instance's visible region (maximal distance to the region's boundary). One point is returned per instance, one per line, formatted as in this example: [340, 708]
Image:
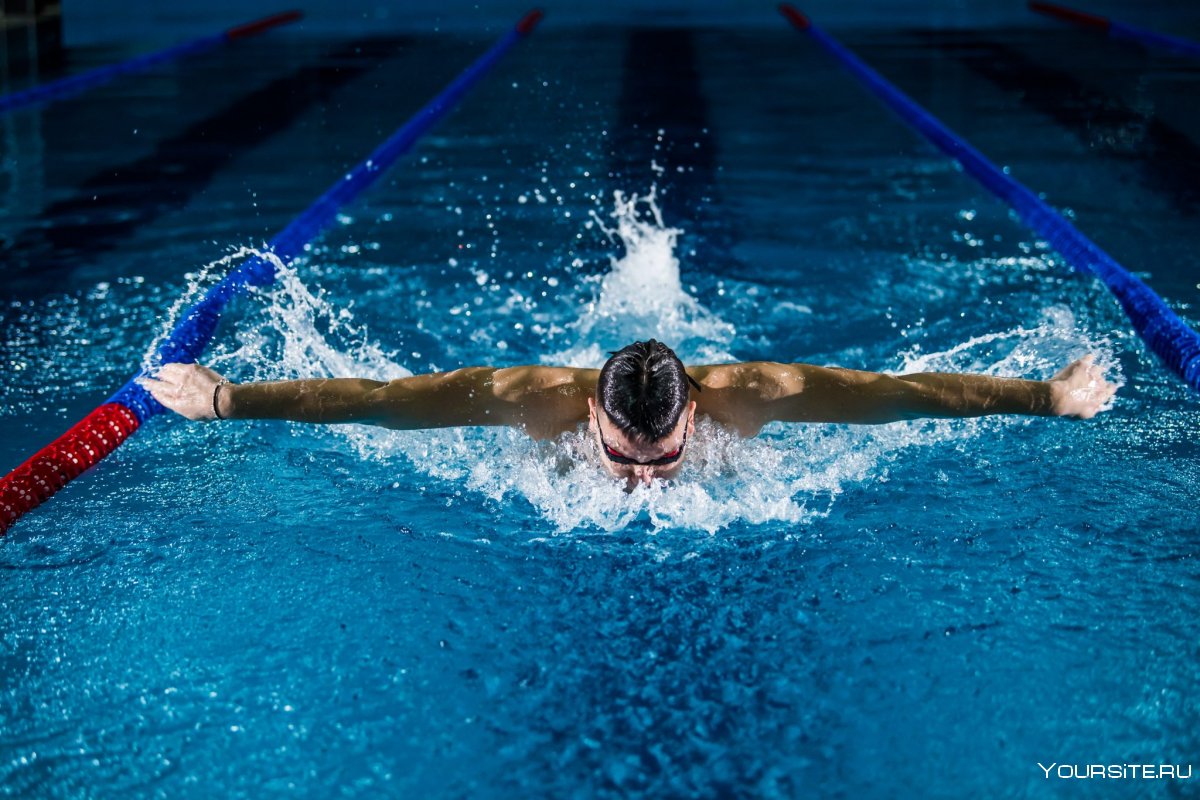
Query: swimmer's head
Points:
[641, 413]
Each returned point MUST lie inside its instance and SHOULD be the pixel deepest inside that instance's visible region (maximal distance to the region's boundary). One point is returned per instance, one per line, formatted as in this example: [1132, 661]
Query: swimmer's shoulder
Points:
[766, 378]
[547, 401]
[516, 383]
[739, 395]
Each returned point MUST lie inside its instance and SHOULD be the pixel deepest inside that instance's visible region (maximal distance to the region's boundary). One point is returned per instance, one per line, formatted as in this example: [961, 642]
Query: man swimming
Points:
[639, 406]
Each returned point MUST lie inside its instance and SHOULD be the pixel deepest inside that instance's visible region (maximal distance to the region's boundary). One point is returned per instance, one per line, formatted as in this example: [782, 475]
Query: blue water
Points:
[921, 609]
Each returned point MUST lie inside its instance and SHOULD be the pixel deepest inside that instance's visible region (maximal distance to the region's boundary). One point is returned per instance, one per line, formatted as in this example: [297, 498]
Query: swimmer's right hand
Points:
[187, 389]
[1080, 389]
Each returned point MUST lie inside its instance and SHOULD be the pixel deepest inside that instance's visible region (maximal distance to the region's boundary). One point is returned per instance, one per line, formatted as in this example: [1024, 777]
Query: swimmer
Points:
[640, 407]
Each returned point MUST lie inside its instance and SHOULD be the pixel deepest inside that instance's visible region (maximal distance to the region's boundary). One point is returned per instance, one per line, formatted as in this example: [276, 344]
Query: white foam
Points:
[1037, 352]
[197, 284]
[305, 335]
[791, 474]
[642, 295]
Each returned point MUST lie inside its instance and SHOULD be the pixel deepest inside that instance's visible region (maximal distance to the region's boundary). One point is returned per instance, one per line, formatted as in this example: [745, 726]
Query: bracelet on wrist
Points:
[216, 397]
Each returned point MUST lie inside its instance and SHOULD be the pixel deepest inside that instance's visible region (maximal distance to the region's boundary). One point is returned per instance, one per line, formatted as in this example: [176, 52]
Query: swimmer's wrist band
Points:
[216, 394]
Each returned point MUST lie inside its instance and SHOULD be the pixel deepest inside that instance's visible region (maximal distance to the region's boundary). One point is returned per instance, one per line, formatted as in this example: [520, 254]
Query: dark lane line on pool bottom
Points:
[113, 204]
[661, 91]
[1168, 159]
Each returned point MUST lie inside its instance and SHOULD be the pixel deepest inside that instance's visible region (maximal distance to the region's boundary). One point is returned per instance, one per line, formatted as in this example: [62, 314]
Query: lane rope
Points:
[108, 426]
[74, 84]
[1118, 30]
[1168, 336]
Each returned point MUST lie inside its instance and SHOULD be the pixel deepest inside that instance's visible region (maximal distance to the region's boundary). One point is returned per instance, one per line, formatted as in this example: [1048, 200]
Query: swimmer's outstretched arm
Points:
[542, 400]
[749, 395]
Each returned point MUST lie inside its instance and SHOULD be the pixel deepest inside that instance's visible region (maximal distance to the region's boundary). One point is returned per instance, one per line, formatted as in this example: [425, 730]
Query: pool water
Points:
[919, 609]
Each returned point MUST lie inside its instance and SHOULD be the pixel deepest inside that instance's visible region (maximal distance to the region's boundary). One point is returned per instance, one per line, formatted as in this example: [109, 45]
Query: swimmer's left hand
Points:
[186, 389]
[1080, 390]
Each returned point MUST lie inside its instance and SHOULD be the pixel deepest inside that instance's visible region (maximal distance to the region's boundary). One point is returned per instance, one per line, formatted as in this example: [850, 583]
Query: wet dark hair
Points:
[643, 389]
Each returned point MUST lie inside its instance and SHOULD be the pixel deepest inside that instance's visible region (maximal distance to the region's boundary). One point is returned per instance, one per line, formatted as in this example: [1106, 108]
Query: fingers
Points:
[1082, 371]
[1108, 392]
[167, 384]
[1087, 389]
[170, 395]
[1100, 388]
[179, 373]
[159, 390]
[1096, 396]
[186, 389]
[175, 373]
[1070, 370]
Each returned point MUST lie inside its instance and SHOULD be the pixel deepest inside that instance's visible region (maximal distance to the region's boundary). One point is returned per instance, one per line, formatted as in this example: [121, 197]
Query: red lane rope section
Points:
[529, 21]
[1070, 15]
[57, 464]
[794, 16]
[260, 25]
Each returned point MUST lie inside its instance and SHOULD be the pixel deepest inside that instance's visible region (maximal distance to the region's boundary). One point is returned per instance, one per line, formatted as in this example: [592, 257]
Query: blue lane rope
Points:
[108, 426]
[74, 84]
[1118, 30]
[1172, 339]
[77, 83]
[197, 324]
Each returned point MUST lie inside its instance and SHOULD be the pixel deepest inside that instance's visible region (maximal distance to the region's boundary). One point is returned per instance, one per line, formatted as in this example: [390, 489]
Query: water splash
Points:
[1036, 352]
[300, 333]
[791, 474]
[642, 295]
[305, 335]
[197, 284]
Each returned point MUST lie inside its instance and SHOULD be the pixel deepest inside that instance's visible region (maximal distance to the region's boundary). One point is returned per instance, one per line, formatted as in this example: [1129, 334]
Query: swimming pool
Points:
[918, 609]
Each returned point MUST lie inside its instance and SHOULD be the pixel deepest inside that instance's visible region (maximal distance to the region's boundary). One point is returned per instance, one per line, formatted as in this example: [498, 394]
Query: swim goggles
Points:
[617, 457]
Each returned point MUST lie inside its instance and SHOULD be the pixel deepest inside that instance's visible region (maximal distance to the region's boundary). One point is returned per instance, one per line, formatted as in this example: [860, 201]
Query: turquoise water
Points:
[920, 609]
